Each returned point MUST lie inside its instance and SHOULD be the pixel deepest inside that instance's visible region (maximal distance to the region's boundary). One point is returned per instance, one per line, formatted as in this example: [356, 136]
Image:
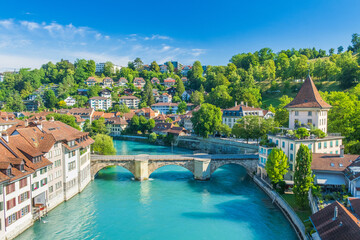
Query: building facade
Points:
[100, 103]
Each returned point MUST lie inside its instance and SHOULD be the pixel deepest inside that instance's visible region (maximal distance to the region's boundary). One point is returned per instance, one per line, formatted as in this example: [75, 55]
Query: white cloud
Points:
[21, 41]
[6, 23]
[157, 36]
[30, 25]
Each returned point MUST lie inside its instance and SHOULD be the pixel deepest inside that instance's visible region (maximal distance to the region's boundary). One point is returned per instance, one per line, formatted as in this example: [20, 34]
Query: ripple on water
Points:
[171, 206]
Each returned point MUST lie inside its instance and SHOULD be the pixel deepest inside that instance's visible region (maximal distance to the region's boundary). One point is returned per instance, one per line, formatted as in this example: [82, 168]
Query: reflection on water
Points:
[171, 206]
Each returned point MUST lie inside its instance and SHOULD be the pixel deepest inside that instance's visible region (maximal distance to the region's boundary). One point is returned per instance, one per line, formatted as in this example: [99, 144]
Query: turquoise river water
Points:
[171, 205]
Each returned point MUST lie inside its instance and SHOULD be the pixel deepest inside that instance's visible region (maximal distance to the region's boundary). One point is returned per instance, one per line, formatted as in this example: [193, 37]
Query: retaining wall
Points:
[289, 213]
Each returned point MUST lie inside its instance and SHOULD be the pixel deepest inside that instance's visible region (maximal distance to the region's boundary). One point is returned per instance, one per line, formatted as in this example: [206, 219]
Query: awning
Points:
[329, 179]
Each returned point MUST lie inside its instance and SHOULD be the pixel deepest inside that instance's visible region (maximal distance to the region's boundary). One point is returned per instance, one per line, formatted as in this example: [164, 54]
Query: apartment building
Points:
[100, 103]
[130, 101]
[166, 108]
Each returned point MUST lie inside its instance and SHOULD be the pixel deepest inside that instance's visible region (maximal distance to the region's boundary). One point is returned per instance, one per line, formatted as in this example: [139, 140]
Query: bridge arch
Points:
[96, 167]
[154, 165]
[217, 164]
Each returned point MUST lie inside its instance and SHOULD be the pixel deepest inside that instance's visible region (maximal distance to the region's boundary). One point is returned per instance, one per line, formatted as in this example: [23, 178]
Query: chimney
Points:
[39, 126]
[26, 122]
[242, 103]
[235, 103]
[52, 119]
[342, 151]
[335, 213]
[5, 136]
[246, 104]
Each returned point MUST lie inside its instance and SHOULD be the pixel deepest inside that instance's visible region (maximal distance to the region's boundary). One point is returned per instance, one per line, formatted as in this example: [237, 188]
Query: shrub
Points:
[152, 137]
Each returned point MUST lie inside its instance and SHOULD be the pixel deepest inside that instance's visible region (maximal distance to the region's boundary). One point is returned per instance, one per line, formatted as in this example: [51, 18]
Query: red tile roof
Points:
[331, 162]
[308, 97]
[345, 227]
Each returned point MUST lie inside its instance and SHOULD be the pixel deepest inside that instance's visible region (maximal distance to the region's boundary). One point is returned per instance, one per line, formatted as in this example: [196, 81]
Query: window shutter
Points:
[7, 189]
[19, 199]
[18, 215]
[14, 202]
[8, 205]
[6, 222]
[28, 194]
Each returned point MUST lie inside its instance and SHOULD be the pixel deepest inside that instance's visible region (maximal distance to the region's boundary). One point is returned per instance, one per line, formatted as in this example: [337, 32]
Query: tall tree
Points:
[303, 179]
[154, 67]
[170, 67]
[276, 166]
[148, 96]
[108, 69]
[197, 98]
[220, 97]
[50, 99]
[206, 120]
[180, 89]
[138, 63]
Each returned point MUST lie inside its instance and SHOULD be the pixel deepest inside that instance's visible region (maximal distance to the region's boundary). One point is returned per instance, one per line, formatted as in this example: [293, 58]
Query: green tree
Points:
[154, 67]
[206, 120]
[150, 124]
[303, 179]
[197, 98]
[180, 89]
[301, 133]
[220, 97]
[103, 145]
[181, 108]
[67, 119]
[108, 69]
[282, 114]
[276, 166]
[148, 96]
[170, 67]
[134, 124]
[225, 130]
[340, 49]
[152, 137]
[138, 63]
[143, 124]
[98, 127]
[50, 99]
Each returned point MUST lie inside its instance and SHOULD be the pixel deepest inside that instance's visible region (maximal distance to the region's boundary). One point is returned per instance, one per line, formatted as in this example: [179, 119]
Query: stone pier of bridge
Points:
[202, 166]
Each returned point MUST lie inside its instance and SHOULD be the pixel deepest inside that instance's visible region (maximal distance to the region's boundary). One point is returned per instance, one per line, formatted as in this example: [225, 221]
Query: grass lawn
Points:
[302, 214]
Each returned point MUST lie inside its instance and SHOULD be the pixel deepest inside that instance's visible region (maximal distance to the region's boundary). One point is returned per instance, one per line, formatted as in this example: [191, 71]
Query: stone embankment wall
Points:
[289, 213]
[215, 145]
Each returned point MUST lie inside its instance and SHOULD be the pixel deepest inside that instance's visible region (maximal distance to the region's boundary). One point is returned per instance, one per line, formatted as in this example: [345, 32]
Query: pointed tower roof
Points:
[308, 97]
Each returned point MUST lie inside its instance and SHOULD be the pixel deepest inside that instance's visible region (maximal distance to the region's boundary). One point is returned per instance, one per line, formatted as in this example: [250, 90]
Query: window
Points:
[325, 144]
[283, 144]
[43, 182]
[8, 172]
[291, 146]
[35, 186]
[35, 174]
[10, 188]
[337, 143]
[1, 206]
[24, 196]
[331, 144]
[277, 142]
[290, 167]
[23, 182]
[309, 113]
[291, 157]
[11, 203]
[319, 145]
[71, 166]
[51, 189]
[337, 152]
[310, 147]
[332, 164]
[296, 113]
[309, 120]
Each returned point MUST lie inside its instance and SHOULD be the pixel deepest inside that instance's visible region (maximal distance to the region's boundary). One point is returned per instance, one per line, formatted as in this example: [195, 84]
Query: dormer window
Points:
[332, 164]
[21, 167]
[8, 172]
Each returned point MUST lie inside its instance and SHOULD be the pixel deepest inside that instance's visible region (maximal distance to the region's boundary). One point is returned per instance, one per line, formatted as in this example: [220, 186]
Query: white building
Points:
[116, 125]
[100, 103]
[309, 107]
[130, 101]
[70, 101]
[232, 115]
[165, 108]
[165, 98]
[106, 93]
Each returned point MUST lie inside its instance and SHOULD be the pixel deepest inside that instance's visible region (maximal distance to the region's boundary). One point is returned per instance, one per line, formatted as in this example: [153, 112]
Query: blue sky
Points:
[35, 32]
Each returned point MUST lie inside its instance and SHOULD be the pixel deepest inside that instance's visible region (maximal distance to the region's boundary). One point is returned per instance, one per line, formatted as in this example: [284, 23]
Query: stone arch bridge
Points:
[202, 166]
